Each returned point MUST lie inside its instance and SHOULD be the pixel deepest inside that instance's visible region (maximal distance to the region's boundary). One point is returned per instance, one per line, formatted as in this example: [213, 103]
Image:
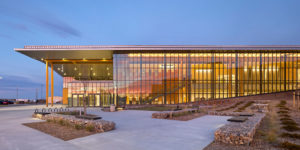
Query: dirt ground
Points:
[63, 132]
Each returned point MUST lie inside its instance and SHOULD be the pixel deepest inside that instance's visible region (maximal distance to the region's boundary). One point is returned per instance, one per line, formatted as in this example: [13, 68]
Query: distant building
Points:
[56, 99]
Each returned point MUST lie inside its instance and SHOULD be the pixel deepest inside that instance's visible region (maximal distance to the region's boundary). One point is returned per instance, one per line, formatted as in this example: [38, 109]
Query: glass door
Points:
[75, 100]
[94, 100]
[91, 101]
[97, 100]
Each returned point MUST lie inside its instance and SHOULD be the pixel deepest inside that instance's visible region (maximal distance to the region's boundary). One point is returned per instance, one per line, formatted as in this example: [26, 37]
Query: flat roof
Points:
[105, 52]
[157, 47]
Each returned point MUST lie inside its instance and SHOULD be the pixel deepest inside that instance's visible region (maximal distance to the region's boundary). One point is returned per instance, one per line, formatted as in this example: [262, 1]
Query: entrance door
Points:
[94, 100]
[77, 100]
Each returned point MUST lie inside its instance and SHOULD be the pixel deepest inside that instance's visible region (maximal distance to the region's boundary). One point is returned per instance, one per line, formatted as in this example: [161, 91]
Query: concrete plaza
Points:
[134, 130]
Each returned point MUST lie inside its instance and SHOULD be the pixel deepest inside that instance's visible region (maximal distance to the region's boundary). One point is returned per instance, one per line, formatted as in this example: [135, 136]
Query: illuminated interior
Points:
[169, 74]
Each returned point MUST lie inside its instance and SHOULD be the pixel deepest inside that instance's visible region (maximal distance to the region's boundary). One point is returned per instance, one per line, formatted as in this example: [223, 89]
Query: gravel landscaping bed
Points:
[239, 133]
[183, 115]
[93, 125]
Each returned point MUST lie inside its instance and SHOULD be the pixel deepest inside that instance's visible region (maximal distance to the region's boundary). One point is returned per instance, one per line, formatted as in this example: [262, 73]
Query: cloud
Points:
[38, 17]
[5, 36]
[17, 26]
[56, 26]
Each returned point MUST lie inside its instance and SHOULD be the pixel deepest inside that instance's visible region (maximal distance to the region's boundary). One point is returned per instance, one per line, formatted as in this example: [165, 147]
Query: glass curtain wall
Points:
[98, 93]
[172, 78]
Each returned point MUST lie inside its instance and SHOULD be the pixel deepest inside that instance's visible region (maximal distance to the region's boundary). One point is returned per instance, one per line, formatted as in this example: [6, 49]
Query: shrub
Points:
[90, 128]
[78, 127]
[61, 122]
[290, 146]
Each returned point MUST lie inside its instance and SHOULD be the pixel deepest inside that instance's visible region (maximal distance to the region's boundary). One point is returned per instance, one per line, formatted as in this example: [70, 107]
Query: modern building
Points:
[167, 74]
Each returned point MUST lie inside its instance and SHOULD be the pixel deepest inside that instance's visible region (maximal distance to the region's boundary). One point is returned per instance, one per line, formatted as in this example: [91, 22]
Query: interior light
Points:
[79, 74]
[58, 68]
[65, 74]
[75, 68]
[42, 58]
[91, 68]
[94, 74]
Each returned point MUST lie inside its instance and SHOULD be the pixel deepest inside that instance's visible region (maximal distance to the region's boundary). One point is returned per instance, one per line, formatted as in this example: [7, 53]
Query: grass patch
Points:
[282, 112]
[269, 128]
[244, 107]
[286, 119]
[291, 135]
[289, 122]
[284, 116]
[290, 146]
[158, 108]
[291, 128]
[231, 107]
[284, 108]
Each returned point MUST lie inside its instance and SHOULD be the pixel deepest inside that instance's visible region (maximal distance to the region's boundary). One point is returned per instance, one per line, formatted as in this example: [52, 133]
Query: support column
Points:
[47, 84]
[260, 74]
[212, 76]
[165, 79]
[52, 84]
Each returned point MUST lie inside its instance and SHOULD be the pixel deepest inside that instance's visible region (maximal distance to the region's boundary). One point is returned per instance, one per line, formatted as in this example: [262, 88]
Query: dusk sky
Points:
[133, 22]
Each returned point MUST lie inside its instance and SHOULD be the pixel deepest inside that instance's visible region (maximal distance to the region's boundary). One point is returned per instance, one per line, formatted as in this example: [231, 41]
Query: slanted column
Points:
[47, 84]
[52, 91]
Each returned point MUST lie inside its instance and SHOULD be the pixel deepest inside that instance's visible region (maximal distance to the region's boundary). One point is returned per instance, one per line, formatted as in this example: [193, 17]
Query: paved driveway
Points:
[134, 130]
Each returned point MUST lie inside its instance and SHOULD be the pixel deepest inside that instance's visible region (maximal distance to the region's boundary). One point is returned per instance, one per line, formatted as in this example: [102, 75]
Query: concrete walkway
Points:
[134, 130]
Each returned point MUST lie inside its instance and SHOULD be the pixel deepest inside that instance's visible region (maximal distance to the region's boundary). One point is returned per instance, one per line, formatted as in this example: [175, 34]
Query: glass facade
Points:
[97, 93]
[151, 77]
[172, 78]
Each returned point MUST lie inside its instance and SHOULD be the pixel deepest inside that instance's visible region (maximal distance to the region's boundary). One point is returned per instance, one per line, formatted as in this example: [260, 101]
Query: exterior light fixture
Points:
[79, 74]
[94, 74]
[75, 68]
[42, 59]
[91, 68]
[65, 74]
